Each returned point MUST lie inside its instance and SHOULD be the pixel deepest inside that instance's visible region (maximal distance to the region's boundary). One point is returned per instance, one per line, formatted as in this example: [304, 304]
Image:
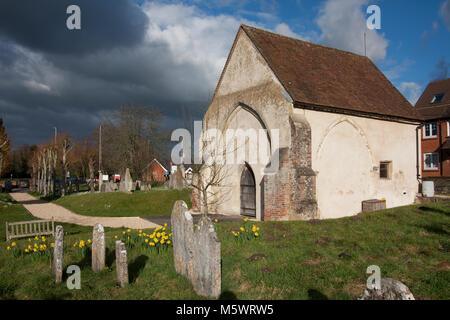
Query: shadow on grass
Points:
[314, 294]
[135, 267]
[110, 257]
[435, 229]
[428, 209]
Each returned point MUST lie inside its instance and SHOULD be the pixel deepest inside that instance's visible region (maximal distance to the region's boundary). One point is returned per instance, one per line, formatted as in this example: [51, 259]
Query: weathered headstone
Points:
[121, 264]
[391, 289]
[126, 184]
[182, 238]
[98, 248]
[196, 253]
[207, 270]
[179, 178]
[58, 254]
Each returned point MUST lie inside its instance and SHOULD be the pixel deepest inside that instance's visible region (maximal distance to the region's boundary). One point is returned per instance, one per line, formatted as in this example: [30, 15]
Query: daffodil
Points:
[152, 244]
[115, 237]
[245, 219]
[146, 240]
[242, 229]
[13, 244]
[256, 234]
[140, 231]
[8, 248]
[129, 230]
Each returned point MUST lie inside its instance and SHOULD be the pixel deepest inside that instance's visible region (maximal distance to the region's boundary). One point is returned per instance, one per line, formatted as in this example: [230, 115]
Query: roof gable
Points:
[431, 108]
[313, 74]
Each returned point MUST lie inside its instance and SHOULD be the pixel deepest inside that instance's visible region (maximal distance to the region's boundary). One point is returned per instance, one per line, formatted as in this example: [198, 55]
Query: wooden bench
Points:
[33, 228]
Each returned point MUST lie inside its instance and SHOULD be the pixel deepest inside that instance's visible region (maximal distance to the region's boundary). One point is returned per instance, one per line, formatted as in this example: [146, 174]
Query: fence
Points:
[29, 229]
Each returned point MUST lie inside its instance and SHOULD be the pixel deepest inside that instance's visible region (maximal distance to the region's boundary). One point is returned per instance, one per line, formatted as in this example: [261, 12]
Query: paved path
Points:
[46, 210]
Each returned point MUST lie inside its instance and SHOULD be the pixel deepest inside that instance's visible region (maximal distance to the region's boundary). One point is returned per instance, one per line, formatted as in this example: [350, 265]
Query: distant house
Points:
[434, 105]
[155, 171]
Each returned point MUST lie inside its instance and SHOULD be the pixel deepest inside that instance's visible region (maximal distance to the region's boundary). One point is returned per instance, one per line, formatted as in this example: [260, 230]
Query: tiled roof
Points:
[320, 76]
[437, 110]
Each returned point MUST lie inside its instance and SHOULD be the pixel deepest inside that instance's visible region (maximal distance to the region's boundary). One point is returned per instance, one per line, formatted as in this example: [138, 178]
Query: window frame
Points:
[431, 136]
[388, 170]
[425, 164]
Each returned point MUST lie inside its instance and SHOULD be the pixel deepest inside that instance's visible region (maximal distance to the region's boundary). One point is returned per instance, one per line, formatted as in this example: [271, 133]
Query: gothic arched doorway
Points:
[248, 192]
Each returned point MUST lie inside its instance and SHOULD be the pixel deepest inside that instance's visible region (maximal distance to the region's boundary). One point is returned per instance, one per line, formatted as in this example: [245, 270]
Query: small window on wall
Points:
[430, 130]
[431, 161]
[385, 169]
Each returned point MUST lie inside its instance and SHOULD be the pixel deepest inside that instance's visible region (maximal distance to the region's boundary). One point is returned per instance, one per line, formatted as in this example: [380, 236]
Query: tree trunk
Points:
[91, 175]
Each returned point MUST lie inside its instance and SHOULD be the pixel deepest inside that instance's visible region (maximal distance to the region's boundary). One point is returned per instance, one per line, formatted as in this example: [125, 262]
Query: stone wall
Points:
[290, 194]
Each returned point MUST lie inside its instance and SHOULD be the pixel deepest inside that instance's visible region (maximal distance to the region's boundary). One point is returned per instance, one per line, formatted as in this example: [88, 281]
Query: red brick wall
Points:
[290, 194]
[433, 145]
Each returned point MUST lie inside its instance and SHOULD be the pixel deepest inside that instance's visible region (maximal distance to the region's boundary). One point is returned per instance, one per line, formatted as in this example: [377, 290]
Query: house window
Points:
[431, 161]
[430, 130]
[437, 98]
[385, 169]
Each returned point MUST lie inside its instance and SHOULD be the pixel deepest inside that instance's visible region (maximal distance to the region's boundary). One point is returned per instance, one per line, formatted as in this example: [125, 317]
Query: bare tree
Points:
[131, 138]
[4, 146]
[66, 147]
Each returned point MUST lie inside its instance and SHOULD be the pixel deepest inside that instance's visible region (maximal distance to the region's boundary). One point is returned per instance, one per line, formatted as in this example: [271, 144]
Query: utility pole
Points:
[100, 174]
[56, 133]
[100, 149]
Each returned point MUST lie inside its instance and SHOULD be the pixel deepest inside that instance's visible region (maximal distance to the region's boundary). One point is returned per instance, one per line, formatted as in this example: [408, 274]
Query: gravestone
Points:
[391, 289]
[182, 238]
[121, 264]
[98, 248]
[179, 178]
[207, 270]
[58, 254]
[196, 253]
[126, 185]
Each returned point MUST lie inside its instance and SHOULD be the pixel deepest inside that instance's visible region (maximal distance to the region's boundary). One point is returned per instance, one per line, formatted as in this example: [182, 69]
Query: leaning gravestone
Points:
[391, 289]
[98, 248]
[182, 238]
[58, 254]
[196, 254]
[121, 264]
[207, 270]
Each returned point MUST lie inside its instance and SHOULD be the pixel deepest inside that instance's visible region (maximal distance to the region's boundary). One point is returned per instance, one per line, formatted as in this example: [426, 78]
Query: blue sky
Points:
[169, 54]
[417, 32]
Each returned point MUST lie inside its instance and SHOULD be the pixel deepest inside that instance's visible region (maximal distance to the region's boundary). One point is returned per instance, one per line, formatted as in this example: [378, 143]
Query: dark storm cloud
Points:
[52, 77]
[41, 24]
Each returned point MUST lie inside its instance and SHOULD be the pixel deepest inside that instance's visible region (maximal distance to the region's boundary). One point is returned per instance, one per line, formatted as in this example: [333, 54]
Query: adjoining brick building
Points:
[434, 106]
[345, 133]
[154, 172]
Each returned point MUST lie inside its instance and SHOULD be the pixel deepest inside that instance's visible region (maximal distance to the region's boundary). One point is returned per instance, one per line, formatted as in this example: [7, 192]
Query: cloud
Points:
[175, 61]
[444, 12]
[41, 25]
[398, 69]
[343, 23]
[440, 71]
[411, 91]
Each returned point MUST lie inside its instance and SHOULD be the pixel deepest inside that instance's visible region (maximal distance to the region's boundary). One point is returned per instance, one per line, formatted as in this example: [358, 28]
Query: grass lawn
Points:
[118, 204]
[291, 260]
